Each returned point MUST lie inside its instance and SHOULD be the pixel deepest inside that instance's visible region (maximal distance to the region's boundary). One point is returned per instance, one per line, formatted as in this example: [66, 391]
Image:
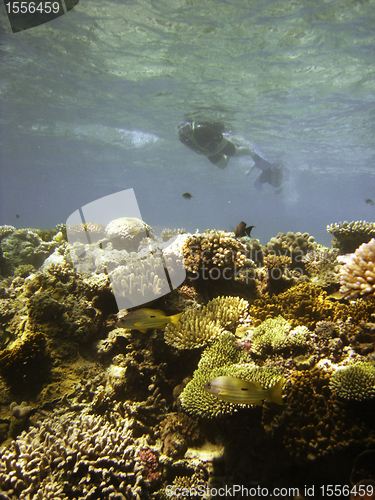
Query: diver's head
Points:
[185, 130]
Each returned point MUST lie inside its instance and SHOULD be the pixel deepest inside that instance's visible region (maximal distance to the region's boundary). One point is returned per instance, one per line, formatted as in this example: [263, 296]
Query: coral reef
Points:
[24, 247]
[222, 358]
[314, 424]
[126, 233]
[275, 335]
[293, 245]
[357, 276]
[213, 251]
[347, 236]
[197, 327]
[82, 455]
[306, 304]
[354, 382]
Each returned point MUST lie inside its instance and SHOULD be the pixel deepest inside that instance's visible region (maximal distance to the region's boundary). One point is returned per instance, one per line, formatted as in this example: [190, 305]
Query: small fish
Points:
[238, 391]
[369, 201]
[187, 196]
[143, 319]
[242, 230]
[17, 216]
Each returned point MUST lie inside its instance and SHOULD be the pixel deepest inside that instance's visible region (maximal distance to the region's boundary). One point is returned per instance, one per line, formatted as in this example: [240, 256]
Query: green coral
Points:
[277, 334]
[356, 381]
[222, 358]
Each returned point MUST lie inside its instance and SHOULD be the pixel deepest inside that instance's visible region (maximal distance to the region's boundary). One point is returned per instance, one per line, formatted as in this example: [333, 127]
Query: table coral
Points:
[347, 236]
[354, 382]
[357, 276]
[197, 327]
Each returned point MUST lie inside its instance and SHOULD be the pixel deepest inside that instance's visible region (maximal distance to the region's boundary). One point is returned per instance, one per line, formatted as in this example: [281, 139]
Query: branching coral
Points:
[197, 327]
[222, 358]
[357, 276]
[347, 236]
[355, 381]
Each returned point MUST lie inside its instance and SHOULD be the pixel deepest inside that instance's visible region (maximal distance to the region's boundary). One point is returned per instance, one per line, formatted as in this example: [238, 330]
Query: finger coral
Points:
[357, 276]
[355, 381]
[197, 327]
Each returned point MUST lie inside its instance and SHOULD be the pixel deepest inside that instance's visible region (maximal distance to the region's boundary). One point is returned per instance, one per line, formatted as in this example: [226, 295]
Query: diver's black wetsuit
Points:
[207, 139]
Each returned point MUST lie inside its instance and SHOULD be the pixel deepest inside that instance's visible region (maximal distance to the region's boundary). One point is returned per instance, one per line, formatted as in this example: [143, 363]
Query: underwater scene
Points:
[187, 249]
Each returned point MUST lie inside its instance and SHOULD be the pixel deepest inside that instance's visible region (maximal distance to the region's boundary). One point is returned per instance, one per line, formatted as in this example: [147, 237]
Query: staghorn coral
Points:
[213, 250]
[88, 456]
[197, 327]
[354, 382]
[277, 334]
[347, 236]
[357, 276]
[222, 358]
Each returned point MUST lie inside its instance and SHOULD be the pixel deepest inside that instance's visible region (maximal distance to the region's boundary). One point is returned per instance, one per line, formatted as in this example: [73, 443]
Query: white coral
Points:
[357, 276]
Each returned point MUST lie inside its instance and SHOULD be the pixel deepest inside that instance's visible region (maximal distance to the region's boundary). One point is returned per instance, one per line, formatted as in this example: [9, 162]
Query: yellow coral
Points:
[213, 249]
[197, 327]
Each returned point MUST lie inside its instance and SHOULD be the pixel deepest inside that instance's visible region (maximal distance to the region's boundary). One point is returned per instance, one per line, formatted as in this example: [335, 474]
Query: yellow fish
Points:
[143, 319]
[238, 391]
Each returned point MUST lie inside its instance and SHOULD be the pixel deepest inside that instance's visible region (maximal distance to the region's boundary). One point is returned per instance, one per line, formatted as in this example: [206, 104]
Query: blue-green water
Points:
[90, 103]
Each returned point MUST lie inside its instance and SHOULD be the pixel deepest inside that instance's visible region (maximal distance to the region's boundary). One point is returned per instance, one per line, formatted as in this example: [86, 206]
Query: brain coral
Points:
[197, 327]
[222, 358]
[212, 250]
[357, 276]
[356, 381]
[347, 236]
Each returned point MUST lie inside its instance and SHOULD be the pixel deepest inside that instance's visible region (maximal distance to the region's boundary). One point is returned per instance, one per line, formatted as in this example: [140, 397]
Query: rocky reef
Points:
[89, 409]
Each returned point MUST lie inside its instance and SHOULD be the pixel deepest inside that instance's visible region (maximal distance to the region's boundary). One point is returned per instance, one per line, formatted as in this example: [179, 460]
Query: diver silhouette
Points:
[207, 139]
